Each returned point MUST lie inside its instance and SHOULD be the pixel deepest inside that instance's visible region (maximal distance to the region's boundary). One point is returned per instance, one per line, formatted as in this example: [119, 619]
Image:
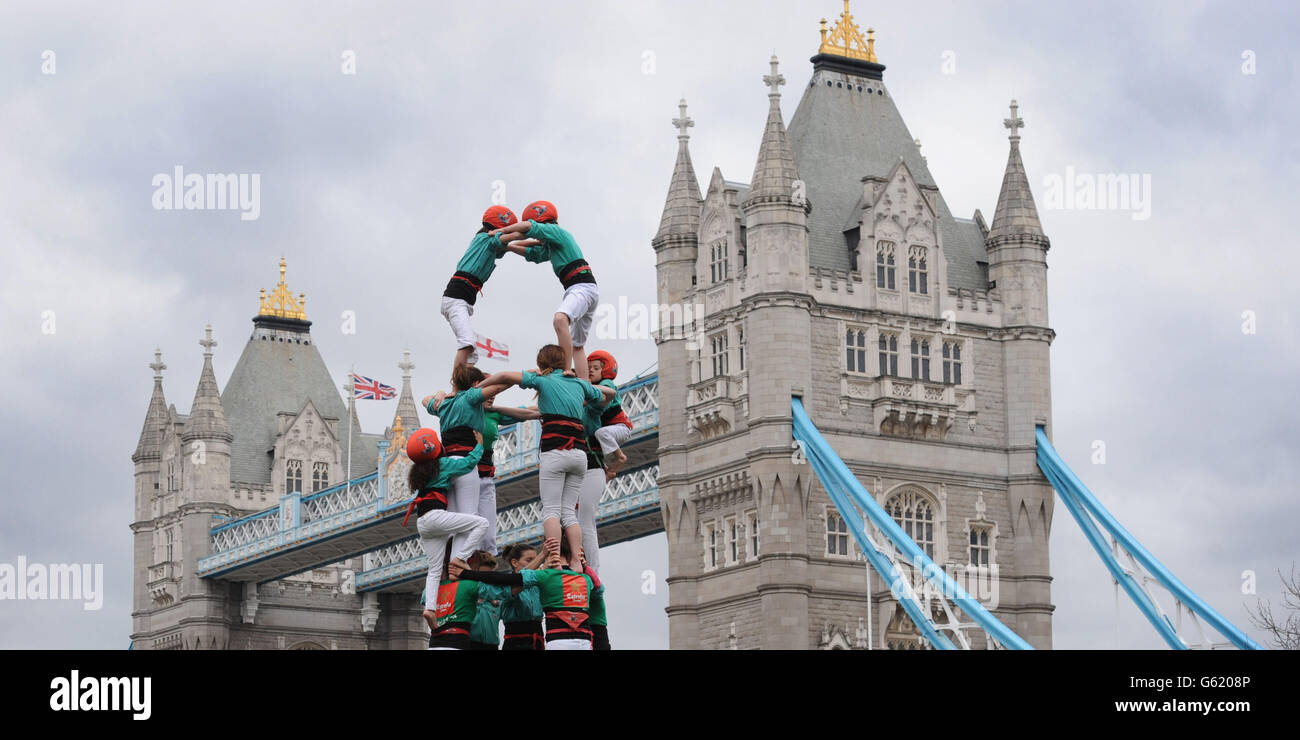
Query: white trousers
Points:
[568, 645]
[457, 312]
[612, 437]
[462, 493]
[579, 304]
[434, 528]
[487, 508]
[560, 477]
[593, 487]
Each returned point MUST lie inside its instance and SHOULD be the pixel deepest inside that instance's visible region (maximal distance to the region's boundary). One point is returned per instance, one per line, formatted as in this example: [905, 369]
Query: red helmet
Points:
[608, 365]
[499, 217]
[423, 445]
[541, 211]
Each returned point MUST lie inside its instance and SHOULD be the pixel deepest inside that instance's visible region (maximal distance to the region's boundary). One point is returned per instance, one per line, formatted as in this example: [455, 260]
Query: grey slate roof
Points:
[150, 444]
[273, 376]
[681, 215]
[840, 135]
[407, 409]
[776, 170]
[207, 418]
[1016, 213]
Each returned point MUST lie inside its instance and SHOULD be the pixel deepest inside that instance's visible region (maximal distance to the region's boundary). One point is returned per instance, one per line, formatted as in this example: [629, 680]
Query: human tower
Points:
[549, 597]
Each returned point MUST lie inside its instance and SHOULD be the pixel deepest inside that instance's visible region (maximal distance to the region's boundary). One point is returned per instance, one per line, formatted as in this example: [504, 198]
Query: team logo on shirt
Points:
[446, 600]
[575, 591]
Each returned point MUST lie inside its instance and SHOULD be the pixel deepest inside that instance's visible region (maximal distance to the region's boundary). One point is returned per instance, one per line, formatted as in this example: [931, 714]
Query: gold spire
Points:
[281, 302]
[845, 39]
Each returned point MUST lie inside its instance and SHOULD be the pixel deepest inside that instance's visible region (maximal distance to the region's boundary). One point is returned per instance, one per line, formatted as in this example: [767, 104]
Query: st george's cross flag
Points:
[492, 350]
[371, 389]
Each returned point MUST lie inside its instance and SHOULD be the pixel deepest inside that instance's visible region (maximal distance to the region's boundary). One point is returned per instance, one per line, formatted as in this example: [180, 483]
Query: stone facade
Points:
[949, 443]
[186, 480]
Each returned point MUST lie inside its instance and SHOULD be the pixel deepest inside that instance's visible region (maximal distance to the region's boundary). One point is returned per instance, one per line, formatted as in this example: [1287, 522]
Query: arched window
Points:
[855, 343]
[915, 514]
[293, 476]
[920, 359]
[888, 354]
[918, 276]
[320, 476]
[837, 534]
[885, 265]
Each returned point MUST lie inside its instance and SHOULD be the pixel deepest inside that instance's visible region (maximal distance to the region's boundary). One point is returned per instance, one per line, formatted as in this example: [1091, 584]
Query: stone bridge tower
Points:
[917, 340]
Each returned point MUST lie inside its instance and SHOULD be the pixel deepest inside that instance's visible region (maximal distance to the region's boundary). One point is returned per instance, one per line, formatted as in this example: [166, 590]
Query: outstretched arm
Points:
[519, 414]
[490, 391]
[505, 378]
[437, 400]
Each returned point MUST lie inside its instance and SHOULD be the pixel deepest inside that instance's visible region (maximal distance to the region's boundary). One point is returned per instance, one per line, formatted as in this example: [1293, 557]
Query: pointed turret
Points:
[155, 419]
[1015, 215]
[775, 172]
[207, 417]
[407, 411]
[682, 206]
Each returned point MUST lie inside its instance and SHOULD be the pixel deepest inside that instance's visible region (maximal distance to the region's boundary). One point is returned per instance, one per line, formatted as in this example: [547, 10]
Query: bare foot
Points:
[431, 618]
[459, 563]
[609, 475]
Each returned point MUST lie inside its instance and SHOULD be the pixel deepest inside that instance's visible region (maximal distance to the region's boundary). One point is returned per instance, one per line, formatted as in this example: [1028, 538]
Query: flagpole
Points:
[352, 405]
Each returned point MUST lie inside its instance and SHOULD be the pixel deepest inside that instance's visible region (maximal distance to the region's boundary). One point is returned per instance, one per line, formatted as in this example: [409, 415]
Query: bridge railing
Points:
[632, 494]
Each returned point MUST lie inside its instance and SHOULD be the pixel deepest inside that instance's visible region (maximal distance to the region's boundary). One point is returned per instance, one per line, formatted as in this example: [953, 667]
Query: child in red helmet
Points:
[473, 270]
[615, 427]
[430, 478]
[548, 242]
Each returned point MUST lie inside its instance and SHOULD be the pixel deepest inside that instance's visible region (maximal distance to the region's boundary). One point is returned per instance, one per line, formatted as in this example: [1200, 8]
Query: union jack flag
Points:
[371, 389]
[494, 350]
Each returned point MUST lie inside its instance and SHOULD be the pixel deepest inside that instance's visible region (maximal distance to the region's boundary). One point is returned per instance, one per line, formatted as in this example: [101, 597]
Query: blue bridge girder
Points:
[364, 516]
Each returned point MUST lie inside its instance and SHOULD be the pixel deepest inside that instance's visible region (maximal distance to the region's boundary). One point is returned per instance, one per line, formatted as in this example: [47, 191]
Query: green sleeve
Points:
[592, 393]
[474, 396]
[552, 235]
[452, 467]
[531, 577]
[528, 380]
[537, 253]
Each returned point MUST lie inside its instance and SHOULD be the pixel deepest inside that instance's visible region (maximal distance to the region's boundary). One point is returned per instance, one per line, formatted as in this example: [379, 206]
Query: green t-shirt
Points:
[596, 615]
[465, 409]
[454, 467]
[457, 601]
[481, 257]
[526, 606]
[491, 422]
[486, 627]
[561, 589]
[560, 395]
[558, 246]
[618, 400]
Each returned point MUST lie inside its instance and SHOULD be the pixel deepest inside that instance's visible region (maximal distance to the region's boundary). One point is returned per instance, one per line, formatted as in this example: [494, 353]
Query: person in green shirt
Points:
[473, 270]
[567, 596]
[461, 414]
[615, 427]
[562, 451]
[429, 479]
[485, 631]
[547, 242]
[521, 612]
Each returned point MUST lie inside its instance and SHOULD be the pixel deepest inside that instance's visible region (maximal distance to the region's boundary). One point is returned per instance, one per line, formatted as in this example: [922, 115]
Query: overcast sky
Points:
[372, 183]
